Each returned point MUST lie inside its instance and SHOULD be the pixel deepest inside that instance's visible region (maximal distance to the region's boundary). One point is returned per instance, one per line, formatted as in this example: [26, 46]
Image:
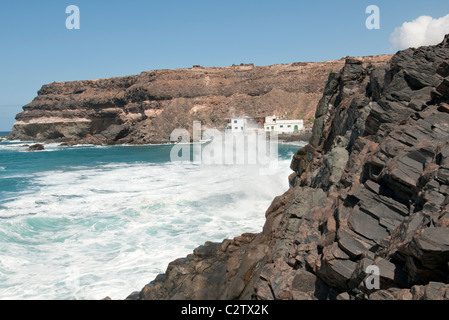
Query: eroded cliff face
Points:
[371, 189]
[146, 108]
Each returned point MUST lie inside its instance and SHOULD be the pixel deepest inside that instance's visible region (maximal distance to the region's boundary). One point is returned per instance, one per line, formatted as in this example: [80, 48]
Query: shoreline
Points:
[285, 138]
[295, 137]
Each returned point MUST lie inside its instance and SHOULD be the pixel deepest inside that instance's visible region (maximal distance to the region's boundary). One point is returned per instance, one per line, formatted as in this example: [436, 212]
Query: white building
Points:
[272, 124]
[238, 124]
[244, 125]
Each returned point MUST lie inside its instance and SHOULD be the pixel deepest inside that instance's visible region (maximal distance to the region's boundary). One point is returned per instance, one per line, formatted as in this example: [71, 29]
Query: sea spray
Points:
[87, 222]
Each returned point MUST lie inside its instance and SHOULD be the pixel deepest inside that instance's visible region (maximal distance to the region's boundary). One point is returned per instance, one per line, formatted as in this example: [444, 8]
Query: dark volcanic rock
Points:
[370, 189]
[36, 147]
[443, 69]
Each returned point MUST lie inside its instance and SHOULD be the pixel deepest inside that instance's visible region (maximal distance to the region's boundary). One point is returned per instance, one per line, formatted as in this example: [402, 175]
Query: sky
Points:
[118, 38]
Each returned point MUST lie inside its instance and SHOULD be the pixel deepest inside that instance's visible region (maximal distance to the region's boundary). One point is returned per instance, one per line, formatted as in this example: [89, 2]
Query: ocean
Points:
[86, 222]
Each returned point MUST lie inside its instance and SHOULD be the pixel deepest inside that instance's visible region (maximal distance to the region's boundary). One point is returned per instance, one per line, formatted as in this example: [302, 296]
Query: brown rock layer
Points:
[371, 189]
[146, 108]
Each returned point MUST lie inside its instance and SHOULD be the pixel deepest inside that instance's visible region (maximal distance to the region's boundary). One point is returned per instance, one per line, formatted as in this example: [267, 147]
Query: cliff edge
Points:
[370, 192]
[146, 108]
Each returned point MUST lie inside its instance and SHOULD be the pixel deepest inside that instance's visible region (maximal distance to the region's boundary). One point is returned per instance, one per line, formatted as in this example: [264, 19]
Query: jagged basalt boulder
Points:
[36, 147]
[300, 161]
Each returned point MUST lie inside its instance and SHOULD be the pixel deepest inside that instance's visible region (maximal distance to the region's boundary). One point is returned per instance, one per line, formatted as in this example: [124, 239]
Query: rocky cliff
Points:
[146, 108]
[370, 192]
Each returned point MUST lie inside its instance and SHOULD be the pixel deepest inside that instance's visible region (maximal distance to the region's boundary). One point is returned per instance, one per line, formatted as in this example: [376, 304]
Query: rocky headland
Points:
[370, 189]
[146, 108]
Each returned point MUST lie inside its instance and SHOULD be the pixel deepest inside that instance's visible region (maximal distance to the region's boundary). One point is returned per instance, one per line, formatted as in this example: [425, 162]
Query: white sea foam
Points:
[12, 146]
[108, 230]
[294, 143]
[86, 145]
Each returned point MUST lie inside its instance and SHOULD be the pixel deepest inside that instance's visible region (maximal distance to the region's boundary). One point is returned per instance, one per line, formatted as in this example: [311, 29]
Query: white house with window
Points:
[272, 124]
[238, 124]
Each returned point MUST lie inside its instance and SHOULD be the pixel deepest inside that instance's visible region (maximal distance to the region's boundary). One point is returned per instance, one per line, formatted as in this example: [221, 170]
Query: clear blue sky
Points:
[119, 38]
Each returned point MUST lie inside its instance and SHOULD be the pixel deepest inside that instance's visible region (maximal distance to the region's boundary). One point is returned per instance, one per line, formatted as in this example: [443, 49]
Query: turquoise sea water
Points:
[86, 222]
